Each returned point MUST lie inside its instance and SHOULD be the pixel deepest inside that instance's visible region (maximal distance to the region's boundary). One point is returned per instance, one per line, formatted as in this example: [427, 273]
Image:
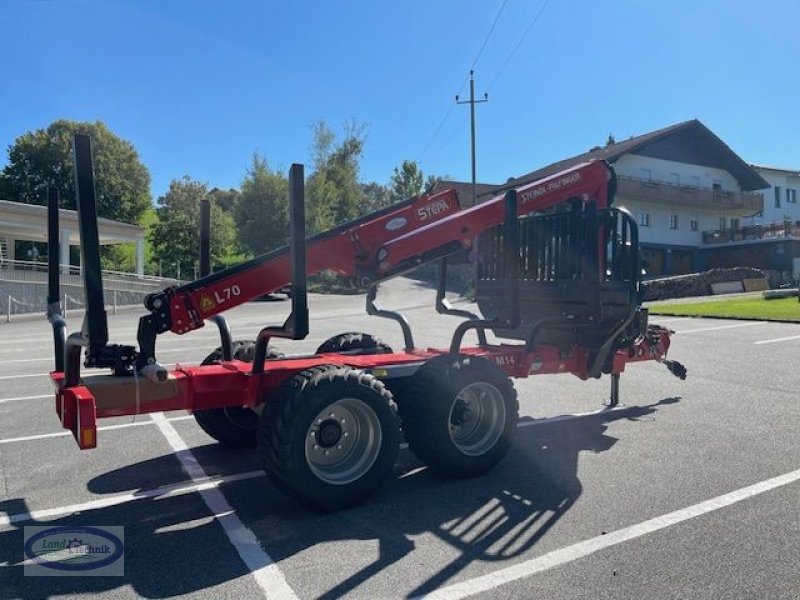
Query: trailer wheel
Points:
[354, 342]
[459, 414]
[329, 436]
[232, 426]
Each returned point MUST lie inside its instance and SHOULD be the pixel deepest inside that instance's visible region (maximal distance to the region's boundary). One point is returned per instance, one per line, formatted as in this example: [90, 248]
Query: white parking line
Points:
[267, 575]
[167, 491]
[23, 398]
[47, 373]
[776, 340]
[734, 326]
[588, 547]
[186, 349]
[520, 425]
[24, 376]
[56, 434]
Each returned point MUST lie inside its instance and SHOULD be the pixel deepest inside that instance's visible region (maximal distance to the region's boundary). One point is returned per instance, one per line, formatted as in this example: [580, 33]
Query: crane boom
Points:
[377, 246]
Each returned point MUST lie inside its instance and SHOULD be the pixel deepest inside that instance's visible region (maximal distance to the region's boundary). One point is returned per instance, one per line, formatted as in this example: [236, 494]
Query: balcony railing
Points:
[745, 203]
[787, 229]
[35, 272]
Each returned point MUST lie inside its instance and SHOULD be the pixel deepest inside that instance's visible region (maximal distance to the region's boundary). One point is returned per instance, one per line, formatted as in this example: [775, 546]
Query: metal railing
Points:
[22, 271]
[786, 229]
[689, 195]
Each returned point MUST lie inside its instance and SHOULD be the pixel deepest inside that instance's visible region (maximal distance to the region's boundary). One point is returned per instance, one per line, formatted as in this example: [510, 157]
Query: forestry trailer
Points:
[558, 273]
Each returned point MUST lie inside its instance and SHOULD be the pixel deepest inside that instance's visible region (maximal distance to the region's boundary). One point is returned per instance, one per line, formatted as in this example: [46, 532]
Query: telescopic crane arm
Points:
[375, 247]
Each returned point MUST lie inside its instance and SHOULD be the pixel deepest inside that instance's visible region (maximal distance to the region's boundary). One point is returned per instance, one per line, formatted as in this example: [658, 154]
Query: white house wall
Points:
[668, 171]
[674, 173]
[787, 210]
[659, 231]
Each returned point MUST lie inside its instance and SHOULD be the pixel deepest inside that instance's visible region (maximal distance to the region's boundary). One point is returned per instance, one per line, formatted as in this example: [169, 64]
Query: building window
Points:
[676, 178]
[735, 224]
[791, 195]
[646, 174]
[695, 180]
[777, 196]
[673, 221]
[693, 225]
[644, 219]
[722, 223]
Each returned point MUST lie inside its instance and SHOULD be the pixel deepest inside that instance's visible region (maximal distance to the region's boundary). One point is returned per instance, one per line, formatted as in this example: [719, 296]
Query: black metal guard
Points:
[72, 357]
[53, 248]
[205, 237]
[53, 280]
[443, 307]
[296, 325]
[95, 324]
[510, 274]
[225, 338]
[511, 257]
[375, 311]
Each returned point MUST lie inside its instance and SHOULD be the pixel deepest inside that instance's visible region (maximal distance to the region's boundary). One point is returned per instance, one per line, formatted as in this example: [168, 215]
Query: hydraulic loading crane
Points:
[558, 269]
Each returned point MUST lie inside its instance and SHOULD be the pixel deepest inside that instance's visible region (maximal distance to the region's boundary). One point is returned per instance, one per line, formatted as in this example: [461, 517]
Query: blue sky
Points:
[198, 86]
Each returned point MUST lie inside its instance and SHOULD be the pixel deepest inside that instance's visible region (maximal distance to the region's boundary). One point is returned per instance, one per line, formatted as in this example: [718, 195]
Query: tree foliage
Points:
[407, 181]
[175, 238]
[43, 157]
[333, 192]
[262, 209]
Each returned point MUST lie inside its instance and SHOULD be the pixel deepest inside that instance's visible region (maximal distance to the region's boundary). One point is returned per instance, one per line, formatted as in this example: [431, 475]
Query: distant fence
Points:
[23, 287]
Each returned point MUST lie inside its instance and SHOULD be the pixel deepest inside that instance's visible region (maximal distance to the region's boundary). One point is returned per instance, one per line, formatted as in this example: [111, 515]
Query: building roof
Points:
[795, 172]
[464, 190]
[690, 142]
[29, 222]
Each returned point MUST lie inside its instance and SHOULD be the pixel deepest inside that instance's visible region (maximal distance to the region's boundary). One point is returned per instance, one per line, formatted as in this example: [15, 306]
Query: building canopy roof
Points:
[688, 142]
[29, 222]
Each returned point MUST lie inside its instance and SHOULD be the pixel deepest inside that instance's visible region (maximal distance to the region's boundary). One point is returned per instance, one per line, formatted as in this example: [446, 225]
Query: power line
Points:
[436, 131]
[519, 43]
[464, 82]
[488, 35]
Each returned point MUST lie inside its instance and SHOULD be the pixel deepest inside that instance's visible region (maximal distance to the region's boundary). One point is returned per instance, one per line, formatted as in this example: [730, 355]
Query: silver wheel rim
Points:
[477, 418]
[343, 441]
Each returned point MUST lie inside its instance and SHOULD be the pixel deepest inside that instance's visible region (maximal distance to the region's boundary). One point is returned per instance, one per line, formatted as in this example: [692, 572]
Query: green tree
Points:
[225, 199]
[407, 181]
[44, 157]
[431, 181]
[262, 209]
[175, 238]
[375, 197]
[333, 192]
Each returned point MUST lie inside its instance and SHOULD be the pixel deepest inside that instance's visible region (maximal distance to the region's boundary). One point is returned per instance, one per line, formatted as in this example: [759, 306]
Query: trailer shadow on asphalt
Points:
[174, 547]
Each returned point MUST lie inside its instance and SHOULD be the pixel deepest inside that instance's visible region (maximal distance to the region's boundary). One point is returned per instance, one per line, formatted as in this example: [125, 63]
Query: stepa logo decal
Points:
[206, 303]
[74, 550]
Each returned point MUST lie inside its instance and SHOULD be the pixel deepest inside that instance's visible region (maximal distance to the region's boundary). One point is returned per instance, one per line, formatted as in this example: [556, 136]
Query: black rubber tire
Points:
[354, 342]
[425, 402]
[234, 427]
[288, 417]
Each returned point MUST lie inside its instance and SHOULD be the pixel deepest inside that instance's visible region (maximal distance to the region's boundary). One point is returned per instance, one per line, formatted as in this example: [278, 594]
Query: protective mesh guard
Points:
[581, 266]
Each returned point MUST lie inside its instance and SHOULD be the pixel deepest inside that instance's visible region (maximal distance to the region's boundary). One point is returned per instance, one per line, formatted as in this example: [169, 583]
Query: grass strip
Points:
[783, 309]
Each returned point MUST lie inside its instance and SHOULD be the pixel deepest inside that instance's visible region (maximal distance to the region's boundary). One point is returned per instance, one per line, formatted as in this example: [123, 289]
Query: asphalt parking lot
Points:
[688, 490]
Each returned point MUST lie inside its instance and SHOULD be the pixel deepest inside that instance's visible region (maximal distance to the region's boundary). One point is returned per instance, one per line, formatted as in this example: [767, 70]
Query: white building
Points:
[780, 199]
[691, 195]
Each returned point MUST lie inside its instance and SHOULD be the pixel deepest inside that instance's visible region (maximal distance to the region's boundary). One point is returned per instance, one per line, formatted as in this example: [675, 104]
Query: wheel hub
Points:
[477, 418]
[343, 441]
[330, 432]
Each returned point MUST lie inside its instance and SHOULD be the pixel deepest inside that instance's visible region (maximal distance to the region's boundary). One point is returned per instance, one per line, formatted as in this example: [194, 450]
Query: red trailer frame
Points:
[369, 250]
